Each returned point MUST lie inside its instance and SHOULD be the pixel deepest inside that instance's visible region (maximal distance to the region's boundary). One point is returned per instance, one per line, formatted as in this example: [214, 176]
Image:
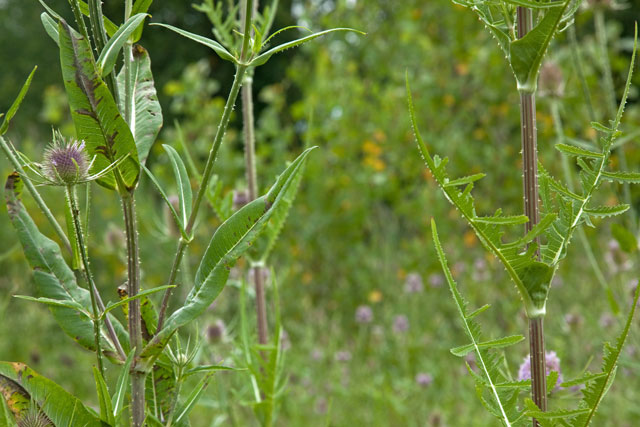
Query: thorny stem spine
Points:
[524, 19]
[241, 69]
[93, 291]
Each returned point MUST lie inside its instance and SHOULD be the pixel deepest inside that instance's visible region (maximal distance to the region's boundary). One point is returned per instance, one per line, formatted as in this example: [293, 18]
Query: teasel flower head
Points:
[66, 162]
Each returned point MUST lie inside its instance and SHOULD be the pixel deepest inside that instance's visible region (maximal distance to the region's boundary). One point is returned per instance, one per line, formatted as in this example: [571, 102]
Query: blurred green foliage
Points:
[360, 224]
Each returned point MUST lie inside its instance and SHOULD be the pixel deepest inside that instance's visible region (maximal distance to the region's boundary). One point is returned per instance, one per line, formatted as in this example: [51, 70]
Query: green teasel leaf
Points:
[146, 113]
[545, 417]
[552, 380]
[265, 244]
[217, 47]
[228, 243]
[181, 414]
[53, 278]
[503, 220]
[463, 350]
[107, 59]
[118, 398]
[465, 180]
[175, 215]
[16, 103]
[185, 194]
[57, 303]
[50, 27]
[95, 113]
[606, 211]
[502, 402]
[598, 387]
[141, 295]
[582, 379]
[106, 407]
[536, 278]
[625, 238]
[572, 150]
[62, 408]
[211, 368]
[526, 54]
[519, 257]
[264, 57]
[140, 6]
[161, 389]
[622, 177]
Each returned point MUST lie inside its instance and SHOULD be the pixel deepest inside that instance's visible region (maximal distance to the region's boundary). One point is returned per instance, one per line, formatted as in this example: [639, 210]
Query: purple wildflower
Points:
[343, 356]
[364, 314]
[436, 280]
[413, 284]
[66, 163]
[423, 379]
[400, 324]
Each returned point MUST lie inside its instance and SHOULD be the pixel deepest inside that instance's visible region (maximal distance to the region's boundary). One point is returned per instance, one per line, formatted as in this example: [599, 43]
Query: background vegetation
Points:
[359, 230]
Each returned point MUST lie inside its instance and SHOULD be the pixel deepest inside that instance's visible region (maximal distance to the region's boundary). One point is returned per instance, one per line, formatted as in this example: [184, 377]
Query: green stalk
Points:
[134, 317]
[611, 104]
[100, 39]
[248, 123]
[77, 229]
[8, 151]
[241, 69]
[524, 19]
[75, 6]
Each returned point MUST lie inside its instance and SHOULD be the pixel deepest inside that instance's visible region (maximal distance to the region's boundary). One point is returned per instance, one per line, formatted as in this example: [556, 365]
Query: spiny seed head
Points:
[66, 162]
[34, 417]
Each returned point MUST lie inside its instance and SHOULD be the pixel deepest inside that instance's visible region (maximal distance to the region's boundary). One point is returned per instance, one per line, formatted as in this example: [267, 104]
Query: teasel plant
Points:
[532, 260]
[117, 119]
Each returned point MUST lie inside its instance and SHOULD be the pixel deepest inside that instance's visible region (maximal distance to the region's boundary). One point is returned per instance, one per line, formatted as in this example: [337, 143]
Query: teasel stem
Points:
[77, 14]
[99, 40]
[134, 317]
[524, 20]
[241, 69]
[77, 229]
[248, 123]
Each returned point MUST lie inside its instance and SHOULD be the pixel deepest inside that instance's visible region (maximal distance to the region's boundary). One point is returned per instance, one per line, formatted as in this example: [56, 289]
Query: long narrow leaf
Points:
[107, 59]
[185, 195]
[217, 47]
[264, 57]
[16, 103]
